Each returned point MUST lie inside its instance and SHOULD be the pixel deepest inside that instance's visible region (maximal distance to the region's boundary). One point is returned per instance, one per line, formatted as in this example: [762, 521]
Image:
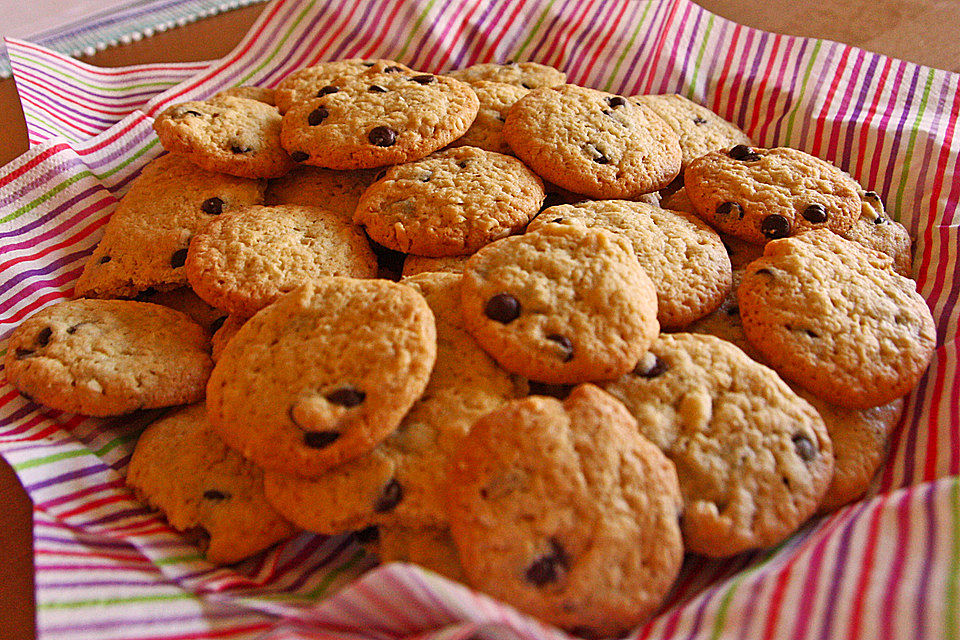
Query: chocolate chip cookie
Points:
[326, 77]
[486, 132]
[526, 75]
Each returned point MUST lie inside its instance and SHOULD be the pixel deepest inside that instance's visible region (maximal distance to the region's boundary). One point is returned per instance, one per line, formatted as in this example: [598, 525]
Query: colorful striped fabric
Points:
[886, 567]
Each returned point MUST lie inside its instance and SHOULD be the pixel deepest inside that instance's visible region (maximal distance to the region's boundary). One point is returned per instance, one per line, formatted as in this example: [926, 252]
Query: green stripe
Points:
[78, 604]
[190, 557]
[908, 155]
[416, 26]
[129, 159]
[721, 618]
[113, 444]
[950, 620]
[37, 462]
[518, 54]
[803, 86]
[47, 196]
[73, 81]
[641, 25]
[696, 65]
[333, 574]
[279, 45]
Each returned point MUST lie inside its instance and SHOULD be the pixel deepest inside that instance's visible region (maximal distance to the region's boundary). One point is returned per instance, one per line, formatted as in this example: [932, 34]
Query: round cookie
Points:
[753, 458]
[450, 203]
[181, 467]
[875, 230]
[326, 77]
[566, 304]
[684, 258]
[486, 132]
[834, 317]
[243, 261]
[564, 511]
[260, 94]
[236, 136]
[526, 75]
[322, 375]
[594, 143]
[378, 120]
[759, 194]
[108, 357]
[144, 243]
[700, 129]
[336, 191]
[398, 483]
[431, 548]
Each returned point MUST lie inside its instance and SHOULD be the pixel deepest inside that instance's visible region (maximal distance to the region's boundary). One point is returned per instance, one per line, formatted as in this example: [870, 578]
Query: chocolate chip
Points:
[525, 85]
[392, 69]
[558, 391]
[804, 447]
[367, 64]
[317, 116]
[320, 439]
[658, 367]
[775, 226]
[426, 177]
[699, 120]
[72, 330]
[238, 149]
[566, 347]
[105, 259]
[327, 90]
[216, 495]
[462, 164]
[729, 208]
[216, 324]
[511, 63]
[191, 112]
[390, 497]
[765, 272]
[23, 353]
[879, 220]
[557, 220]
[873, 195]
[423, 79]
[382, 136]
[743, 153]
[602, 159]
[346, 397]
[43, 338]
[375, 88]
[815, 213]
[503, 308]
[616, 101]
[367, 535]
[179, 258]
[299, 156]
[548, 568]
[500, 118]
[812, 334]
[212, 206]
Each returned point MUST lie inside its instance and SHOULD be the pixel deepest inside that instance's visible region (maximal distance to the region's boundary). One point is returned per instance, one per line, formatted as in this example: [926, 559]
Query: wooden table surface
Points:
[916, 30]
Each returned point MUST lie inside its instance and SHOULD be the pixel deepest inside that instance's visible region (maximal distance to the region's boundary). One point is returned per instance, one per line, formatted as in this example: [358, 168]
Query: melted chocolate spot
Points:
[179, 258]
[239, 149]
[191, 112]
[105, 259]
[375, 88]
[699, 120]
[775, 226]
[317, 116]
[389, 498]
[320, 439]
[602, 159]
[815, 213]
[23, 353]
[503, 308]
[728, 208]
[804, 447]
[525, 85]
[557, 220]
[72, 330]
[462, 164]
[215, 495]
[299, 156]
[879, 220]
[43, 338]
[382, 136]
[566, 347]
[327, 90]
[423, 79]
[657, 368]
[616, 101]
[743, 153]
[392, 69]
[212, 206]
[548, 568]
[346, 397]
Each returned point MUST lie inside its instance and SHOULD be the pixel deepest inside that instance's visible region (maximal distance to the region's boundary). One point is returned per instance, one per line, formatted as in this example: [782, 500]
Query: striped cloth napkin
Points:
[886, 567]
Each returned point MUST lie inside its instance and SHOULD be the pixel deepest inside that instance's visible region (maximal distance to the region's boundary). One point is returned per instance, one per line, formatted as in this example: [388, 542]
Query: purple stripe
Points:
[478, 26]
[515, 37]
[705, 599]
[682, 70]
[895, 580]
[791, 95]
[580, 53]
[121, 104]
[548, 32]
[421, 47]
[722, 43]
[837, 156]
[81, 540]
[44, 444]
[357, 29]
[913, 432]
[656, 26]
[27, 185]
[36, 289]
[898, 131]
[235, 614]
[926, 567]
[866, 83]
[608, 60]
[747, 88]
[315, 566]
[53, 235]
[62, 110]
[98, 467]
[92, 584]
[10, 421]
[122, 147]
[827, 73]
[117, 515]
[46, 270]
[950, 303]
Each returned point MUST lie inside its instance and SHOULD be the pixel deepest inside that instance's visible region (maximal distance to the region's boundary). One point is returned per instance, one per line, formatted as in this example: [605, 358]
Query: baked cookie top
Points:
[144, 243]
[243, 261]
[486, 132]
[684, 258]
[327, 77]
[763, 194]
[526, 75]
[700, 129]
[336, 191]
[565, 304]
[236, 136]
[430, 547]
[108, 357]
[450, 203]
[875, 230]
[563, 510]
[753, 458]
[399, 483]
[594, 143]
[378, 120]
[324, 374]
[182, 467]
[834, 317]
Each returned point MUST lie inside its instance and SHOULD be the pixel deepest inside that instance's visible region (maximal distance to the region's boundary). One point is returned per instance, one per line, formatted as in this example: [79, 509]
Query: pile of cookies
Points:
[533, 336]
